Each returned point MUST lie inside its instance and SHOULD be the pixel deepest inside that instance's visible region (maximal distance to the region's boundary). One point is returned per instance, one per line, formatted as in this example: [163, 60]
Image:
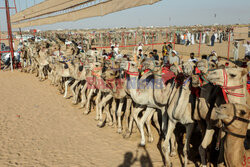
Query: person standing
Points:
[174, 58]
[116, 48]
[151, 56]
[216, 37]
[140, 47]
[207, 38]
[236, 51]
[212, 39]
[192, 39]
[247, 49]
[192, 59]
[140, 55]
[165, 49]
[156, 56]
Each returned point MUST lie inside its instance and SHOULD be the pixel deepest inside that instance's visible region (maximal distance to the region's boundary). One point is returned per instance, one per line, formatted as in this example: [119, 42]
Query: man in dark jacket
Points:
[212, 40]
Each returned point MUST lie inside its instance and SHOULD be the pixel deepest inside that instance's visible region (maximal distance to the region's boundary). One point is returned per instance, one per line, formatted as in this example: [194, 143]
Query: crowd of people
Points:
[203, 37]
[169, 56]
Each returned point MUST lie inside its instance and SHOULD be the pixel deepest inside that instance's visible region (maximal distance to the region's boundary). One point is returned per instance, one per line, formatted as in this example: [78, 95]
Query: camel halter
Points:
[131, 73]
[65, 60]
[224, 125]
[225, 88]
[94, 71]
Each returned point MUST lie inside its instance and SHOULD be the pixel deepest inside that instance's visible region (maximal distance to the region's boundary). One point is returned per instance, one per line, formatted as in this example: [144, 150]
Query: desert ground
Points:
[38, 127]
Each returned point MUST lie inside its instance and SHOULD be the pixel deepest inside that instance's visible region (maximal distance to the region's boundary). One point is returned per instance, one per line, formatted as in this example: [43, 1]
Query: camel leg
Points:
[171, 127]
[148, 124]
[97, 101]
[156, 122]
[101, 105]
[164, 122]
[77, 90]
[84, 98]
[133, 116]
[186, 149]
[205, 142]
[88, 101]
[141, 122]
[127, 112]
[73, 91]
[113, 111]
[66, 86]
[119, 115]
[109, 118]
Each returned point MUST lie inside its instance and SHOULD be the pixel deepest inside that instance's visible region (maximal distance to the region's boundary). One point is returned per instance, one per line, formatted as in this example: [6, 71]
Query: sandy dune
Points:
[38, 127]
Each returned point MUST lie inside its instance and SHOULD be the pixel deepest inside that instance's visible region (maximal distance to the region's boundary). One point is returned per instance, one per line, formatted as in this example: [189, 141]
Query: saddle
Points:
[167, 75]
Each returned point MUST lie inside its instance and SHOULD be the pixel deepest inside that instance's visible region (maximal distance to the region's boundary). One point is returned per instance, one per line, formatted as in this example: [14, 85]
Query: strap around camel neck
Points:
[225, 88]
[131, 73]
[224, 127]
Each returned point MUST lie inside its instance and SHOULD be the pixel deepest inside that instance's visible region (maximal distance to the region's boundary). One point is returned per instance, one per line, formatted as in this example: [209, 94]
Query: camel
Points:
[233, 81]
[116, 86]
[180, 110]
[235, 119]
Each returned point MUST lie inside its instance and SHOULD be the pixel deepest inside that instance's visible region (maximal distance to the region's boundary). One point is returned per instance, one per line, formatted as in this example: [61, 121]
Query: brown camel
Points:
[235, 119]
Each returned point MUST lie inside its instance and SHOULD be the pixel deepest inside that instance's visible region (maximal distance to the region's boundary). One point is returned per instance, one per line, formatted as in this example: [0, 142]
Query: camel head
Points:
[154, 66]
[235, 76]
[203, 66]
[129, 66]
[110, 74]
[188, 68]
[174, 69]
[226, 113]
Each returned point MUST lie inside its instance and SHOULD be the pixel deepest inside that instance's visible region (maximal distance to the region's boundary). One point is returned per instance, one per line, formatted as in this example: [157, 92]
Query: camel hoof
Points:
[126, 135]
[114, 125]
[74, 102]
[142, 144]
[96, 119]
[110, 123]
[173, 153]
[150, 139]
[85, 112]
[100, 124]
[119, 130]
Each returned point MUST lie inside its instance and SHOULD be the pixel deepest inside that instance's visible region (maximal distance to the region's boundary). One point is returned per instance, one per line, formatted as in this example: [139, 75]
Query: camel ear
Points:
[244, 72]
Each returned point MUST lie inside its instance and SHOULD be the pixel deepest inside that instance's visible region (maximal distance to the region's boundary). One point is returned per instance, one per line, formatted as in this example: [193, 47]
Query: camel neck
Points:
[236, 145]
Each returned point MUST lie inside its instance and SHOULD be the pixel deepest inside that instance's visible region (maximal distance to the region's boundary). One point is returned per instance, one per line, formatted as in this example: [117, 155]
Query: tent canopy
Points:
[100, 9]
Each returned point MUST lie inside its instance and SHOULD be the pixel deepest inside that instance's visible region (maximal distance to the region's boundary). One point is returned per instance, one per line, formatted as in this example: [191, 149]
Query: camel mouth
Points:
[220, 115]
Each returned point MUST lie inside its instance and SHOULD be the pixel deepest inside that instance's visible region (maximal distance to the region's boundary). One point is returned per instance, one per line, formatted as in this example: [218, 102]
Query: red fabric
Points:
[165, 70]
[167, 74]
[196, 91]
[197, 71]
[248, 88]
[248, 83]
[145, 71]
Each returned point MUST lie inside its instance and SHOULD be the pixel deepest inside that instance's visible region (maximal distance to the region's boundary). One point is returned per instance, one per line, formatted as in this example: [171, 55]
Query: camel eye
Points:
[242, 112]
[232, 75]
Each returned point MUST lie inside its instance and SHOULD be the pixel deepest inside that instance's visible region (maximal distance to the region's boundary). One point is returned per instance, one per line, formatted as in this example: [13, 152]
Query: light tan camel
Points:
[233, 81]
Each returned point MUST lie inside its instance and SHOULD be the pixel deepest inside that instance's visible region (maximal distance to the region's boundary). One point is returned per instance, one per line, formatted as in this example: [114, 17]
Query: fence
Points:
[131, 39]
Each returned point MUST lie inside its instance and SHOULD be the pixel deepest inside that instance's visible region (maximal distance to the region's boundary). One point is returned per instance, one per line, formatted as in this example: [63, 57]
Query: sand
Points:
[38, 127]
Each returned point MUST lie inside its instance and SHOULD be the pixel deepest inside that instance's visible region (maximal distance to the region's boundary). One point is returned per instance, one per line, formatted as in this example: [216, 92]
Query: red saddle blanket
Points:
[167, 74]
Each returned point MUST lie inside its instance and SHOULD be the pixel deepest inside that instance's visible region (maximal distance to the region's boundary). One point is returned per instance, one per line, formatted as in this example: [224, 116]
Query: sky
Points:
[163, 13]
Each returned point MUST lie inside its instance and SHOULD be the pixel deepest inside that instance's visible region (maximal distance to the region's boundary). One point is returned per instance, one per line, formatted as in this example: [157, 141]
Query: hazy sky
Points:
[164, 13]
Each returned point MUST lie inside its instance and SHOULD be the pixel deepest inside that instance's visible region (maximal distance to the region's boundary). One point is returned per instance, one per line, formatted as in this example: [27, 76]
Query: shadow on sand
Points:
[143, 158]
